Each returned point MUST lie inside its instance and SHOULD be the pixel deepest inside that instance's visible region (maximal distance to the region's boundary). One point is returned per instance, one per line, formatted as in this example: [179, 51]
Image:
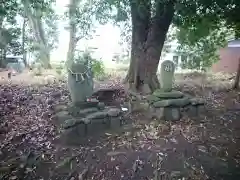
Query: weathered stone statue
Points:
[165, 103]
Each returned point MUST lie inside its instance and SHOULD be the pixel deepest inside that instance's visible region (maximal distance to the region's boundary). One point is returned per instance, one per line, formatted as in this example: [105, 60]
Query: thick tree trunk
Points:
[148, 36]
[236, 82]
[37, 27]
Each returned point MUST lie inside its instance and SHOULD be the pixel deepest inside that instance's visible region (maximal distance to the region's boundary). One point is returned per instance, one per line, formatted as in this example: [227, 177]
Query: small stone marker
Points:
[166, 75]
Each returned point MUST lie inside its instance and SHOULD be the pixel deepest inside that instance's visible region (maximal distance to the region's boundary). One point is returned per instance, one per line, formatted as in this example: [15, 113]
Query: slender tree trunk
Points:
[73, 30]
[3, 47]
[236, 82]
[23, 42]
[148, 36]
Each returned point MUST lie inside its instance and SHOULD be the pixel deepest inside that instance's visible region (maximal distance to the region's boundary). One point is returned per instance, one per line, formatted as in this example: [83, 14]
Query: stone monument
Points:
[165, 103]
[85, 115]
[80, 82]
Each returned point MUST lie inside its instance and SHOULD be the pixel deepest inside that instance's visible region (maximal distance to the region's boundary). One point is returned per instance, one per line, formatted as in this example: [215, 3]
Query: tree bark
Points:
[73, 30]
[148, 36]
[236, 82]
[37, 27]
[23, 41]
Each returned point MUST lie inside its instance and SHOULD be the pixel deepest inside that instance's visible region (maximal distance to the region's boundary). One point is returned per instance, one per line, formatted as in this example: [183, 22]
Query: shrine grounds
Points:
[205, 147]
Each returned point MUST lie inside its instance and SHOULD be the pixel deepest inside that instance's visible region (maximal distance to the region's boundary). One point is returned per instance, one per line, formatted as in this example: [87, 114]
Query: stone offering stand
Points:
[169, 105]
[166, 104]
[85, 115]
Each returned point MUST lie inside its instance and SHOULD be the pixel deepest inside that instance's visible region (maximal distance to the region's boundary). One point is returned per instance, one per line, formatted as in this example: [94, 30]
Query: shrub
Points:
[97, 66]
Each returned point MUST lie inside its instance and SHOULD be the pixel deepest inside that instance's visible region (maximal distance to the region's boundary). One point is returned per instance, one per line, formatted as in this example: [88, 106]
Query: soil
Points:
[204, 147]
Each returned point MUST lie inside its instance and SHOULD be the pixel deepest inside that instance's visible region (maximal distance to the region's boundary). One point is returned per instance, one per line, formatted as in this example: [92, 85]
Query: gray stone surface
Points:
[172, 102]
[84, 112]
[197, 101]
[173, 94]
[61, 117]
[96, 126]
[115, 122]
[151, 99]
[97, 115]
[166, 113]
[80, 82]
[166, 75]
[72, 135]
[101, 105]
[172, 114]
[159, 114]
[192, 111]
[114, 112]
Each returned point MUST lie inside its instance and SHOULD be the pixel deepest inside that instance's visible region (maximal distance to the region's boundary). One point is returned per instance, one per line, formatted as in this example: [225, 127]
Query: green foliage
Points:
[199, 22]
[97, 66]
[201, 49]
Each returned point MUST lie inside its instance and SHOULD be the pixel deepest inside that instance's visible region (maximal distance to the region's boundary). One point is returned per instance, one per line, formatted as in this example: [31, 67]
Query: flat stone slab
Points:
[171, 95]
[97, 115]
[86, 111]
[151, 99]
[172, 102]
[197, 101]
[113, 112]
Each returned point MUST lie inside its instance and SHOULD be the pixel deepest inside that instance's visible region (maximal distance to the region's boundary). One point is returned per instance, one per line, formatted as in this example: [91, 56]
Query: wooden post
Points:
[236, 83]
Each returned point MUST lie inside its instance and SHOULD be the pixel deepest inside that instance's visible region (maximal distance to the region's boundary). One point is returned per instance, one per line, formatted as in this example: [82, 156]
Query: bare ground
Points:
[205, 147]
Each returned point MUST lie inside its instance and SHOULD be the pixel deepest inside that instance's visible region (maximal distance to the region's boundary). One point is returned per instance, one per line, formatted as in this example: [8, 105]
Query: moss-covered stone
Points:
[172, 114]
[72, 135]
[166, 113]
[151, 99]
[61, 117]
[192, 111]
[84, 112]
[97, 115]
[164, 95]
[197, 101]
[96, 126]
[172, 102]
[113, 112]
[73, 110]
[101, 106]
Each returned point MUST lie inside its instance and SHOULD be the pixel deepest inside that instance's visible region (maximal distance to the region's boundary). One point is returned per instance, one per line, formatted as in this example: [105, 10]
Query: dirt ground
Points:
[201, 148]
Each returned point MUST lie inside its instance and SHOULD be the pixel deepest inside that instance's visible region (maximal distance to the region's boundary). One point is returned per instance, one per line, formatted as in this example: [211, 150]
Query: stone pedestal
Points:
[168, 105]
[85, 115]
[81, 122]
